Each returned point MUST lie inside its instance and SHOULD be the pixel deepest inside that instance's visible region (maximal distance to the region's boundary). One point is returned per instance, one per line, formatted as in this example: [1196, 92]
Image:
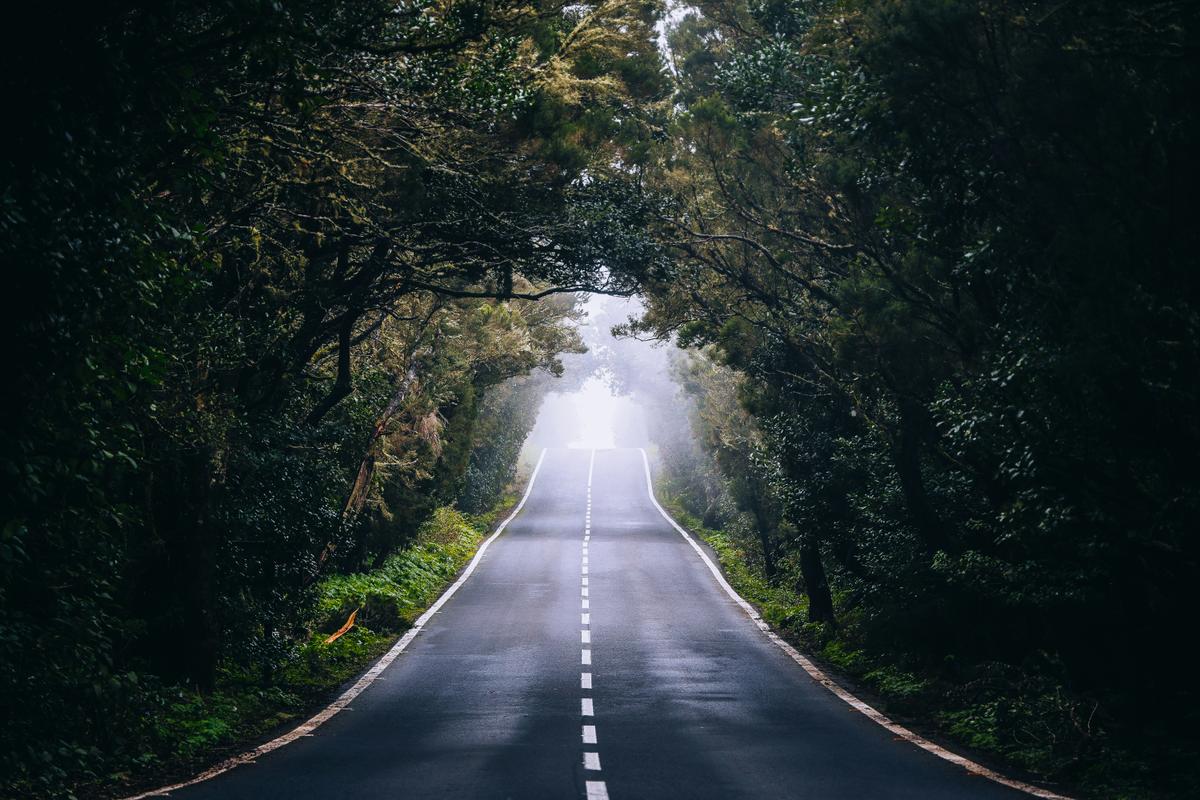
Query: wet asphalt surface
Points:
[688, 698]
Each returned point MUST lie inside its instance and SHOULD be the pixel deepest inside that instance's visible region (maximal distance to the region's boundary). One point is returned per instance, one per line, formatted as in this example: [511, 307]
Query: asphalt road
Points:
[647, 682]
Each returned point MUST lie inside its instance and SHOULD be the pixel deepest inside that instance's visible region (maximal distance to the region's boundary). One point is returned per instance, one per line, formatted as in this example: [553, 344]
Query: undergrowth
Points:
[186, 730]
[1019, 716]
[393, 596]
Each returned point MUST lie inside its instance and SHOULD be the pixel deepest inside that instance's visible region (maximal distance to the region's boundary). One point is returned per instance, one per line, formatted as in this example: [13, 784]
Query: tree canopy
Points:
[940, 254]
[285, 278]
[268, 263]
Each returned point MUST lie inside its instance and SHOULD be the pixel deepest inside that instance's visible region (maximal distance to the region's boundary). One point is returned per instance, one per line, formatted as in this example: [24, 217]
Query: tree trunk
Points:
[765, 541]
[357, 496]
[343, 385]
[816, 584]
[201, 634]
[180, 589]
[906, 453]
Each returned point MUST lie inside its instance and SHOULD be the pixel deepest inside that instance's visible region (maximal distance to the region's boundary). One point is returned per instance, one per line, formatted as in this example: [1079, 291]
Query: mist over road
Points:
[593, 654]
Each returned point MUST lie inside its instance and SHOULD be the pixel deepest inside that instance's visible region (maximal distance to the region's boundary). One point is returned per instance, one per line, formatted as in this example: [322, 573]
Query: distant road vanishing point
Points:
[592, 653]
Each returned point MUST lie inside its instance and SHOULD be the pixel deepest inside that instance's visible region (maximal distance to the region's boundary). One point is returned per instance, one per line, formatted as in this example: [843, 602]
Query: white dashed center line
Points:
[596, 790]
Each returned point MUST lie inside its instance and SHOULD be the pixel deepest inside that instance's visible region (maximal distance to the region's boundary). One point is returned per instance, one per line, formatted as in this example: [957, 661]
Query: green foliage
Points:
[782, 608]
[1029, 719]
[949, 364]
[181, 729]
[845, 657]
[392, 596]
[896, 683]
[266, 265]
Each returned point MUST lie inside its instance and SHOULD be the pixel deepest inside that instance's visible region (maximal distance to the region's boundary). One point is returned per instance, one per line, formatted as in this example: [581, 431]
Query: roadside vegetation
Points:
[1026, 717]
[1020, 724]
[286, 278]
[935, 266]
[184, 730]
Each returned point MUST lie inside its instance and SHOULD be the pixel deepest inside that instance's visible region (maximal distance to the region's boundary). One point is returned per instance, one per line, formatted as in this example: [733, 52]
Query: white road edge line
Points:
[368, 677]
[820, 677]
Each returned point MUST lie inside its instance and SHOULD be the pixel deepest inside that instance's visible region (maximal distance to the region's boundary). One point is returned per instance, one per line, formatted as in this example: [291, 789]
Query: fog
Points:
[612, 396]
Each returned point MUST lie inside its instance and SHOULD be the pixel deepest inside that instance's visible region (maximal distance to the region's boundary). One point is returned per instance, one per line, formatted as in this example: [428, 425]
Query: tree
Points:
[923, 233]
[266, 262]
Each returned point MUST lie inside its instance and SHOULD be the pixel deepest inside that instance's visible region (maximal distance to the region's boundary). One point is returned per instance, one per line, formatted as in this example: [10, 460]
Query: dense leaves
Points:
[284, 278]
[267, 264]
[946, 251]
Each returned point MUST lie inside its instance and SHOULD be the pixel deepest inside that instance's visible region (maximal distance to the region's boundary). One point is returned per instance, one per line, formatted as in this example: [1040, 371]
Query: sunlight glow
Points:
[588, 418]
[596, 410]
[592, 411]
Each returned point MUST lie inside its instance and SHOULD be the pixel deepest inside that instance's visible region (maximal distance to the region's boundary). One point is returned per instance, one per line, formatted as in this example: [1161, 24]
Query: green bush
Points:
[180, 729]
[391, 597]
[896, 683]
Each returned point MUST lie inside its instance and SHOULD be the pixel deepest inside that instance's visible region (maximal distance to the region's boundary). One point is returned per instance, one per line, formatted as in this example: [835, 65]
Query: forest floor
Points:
[960, 717]
[248, 707]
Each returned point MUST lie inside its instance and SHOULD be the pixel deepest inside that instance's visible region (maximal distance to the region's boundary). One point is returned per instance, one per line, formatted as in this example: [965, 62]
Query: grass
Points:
[194, 730]
[1023, 720]
[393, 596]
[202, 729]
